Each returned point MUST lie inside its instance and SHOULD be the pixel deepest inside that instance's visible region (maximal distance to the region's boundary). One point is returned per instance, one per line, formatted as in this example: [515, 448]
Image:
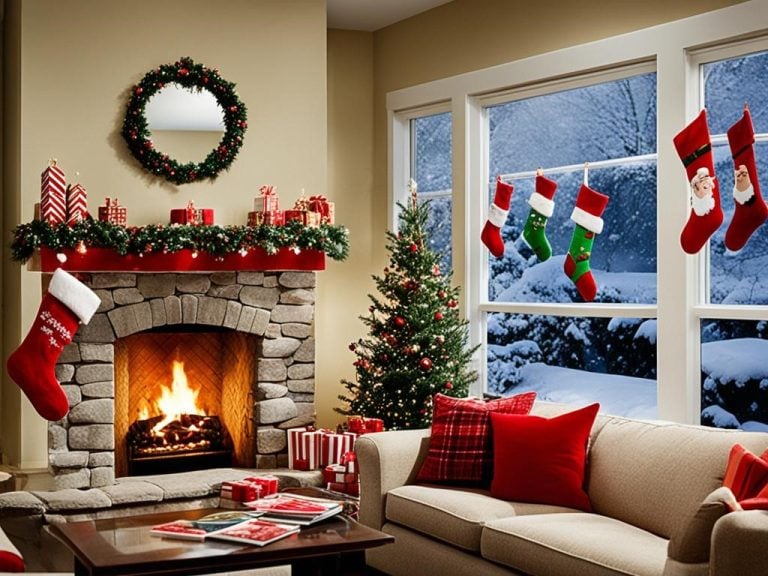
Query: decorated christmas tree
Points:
[417, 344]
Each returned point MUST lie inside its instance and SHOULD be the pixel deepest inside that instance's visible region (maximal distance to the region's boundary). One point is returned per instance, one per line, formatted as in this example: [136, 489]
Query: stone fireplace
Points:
[251, 336]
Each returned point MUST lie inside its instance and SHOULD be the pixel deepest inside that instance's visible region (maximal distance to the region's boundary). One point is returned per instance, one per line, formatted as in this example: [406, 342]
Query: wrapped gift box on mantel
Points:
[192, 216]
[266, 208]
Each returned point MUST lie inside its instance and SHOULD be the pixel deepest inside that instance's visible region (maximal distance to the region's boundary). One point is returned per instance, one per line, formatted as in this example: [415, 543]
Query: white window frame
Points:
[674, 48]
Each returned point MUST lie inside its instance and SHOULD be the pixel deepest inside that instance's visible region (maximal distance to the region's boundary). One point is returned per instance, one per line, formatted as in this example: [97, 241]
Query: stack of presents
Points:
[311, 449]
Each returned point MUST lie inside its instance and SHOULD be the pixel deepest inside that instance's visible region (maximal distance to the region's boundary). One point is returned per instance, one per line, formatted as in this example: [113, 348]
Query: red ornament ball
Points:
[425, 364]
[452, 303]
[139, 90]
[440, 339]
[449, 385]
[441, 294]
[399, 321]
[413, 248]
[438, 315]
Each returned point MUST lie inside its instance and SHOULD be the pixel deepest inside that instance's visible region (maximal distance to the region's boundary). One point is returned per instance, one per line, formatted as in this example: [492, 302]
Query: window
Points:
[733, 349]
[663, 320]
[612, 125]
[431, 168]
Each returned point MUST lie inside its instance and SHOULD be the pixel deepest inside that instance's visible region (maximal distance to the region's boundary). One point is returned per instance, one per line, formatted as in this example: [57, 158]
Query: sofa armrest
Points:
[387, 460]
[739, 544]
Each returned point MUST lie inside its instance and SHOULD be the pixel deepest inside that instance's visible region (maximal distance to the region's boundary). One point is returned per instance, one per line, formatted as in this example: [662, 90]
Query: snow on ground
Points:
[736, 360]
[619, 395]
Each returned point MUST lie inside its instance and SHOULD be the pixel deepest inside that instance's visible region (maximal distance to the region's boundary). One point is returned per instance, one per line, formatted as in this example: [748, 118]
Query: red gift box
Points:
[267, 201]
[77, 204]
[267, 484]
[53, 194]
[321, 206]
[192, 216]
[349, 461]
[336, 473]
[273, 217]
[113, 212]
[291, 215]
[362, 425]
[304, 446]
[335, 445]
[240, 491]
[350, 488]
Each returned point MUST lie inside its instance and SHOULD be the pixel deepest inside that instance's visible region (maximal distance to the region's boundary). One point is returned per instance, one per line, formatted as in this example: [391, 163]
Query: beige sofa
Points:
[645, 481]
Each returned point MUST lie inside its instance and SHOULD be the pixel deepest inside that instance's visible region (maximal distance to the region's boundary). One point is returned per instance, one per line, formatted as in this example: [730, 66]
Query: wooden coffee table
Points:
[123, 546]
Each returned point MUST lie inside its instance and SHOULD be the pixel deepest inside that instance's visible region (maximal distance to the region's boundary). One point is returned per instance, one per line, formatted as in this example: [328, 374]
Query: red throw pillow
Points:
[542, 460]
[760, 501]
[460, 448]
[746, 473]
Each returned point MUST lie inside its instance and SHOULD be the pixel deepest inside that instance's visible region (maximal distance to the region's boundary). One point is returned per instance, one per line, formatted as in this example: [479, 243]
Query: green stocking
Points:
[542, 206]
[535, 235]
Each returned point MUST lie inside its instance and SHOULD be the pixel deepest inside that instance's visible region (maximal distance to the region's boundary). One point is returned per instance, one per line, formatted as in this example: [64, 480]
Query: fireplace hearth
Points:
[262, 323]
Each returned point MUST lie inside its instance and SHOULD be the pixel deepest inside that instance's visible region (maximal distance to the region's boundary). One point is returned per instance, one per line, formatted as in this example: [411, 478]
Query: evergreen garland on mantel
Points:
[214, 240]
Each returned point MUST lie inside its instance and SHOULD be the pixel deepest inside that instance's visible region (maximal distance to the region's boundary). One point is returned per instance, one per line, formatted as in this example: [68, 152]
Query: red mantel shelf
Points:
[107, 260]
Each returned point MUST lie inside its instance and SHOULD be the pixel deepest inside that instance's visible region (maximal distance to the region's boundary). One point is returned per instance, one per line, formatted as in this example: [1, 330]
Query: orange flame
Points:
[179, 399]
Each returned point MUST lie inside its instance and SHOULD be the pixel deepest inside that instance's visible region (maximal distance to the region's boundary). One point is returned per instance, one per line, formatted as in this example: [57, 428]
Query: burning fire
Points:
[179, 399]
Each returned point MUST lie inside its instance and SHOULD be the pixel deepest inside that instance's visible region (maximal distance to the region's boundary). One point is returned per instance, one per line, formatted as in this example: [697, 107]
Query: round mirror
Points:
[184, 122]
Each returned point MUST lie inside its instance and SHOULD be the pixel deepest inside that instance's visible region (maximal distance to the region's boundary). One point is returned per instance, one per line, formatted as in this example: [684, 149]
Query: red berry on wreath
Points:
[441, 294]
[414, 248]
[399, 321]
[452, 303]
[449, 385]
[440, 339]
[438, 315]
[139, 90]
[425, 364]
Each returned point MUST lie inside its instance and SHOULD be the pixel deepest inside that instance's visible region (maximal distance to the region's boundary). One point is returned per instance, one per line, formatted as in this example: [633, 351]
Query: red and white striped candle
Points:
[53, 194]
[77, 204]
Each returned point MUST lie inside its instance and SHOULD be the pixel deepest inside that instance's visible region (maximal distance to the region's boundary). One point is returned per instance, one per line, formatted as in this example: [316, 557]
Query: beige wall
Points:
[75, 64]
[343, 293]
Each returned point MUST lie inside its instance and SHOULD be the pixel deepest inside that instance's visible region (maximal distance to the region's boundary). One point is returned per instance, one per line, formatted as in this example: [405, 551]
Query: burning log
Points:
[187, 433]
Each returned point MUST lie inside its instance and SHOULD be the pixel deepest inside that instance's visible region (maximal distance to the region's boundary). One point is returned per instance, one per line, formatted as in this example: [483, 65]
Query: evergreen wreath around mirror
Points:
[188, 74]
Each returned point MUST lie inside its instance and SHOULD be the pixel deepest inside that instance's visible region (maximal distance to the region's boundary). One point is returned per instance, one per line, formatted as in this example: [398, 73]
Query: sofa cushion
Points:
[745, 473]
[542, 460]
[691, 542]
[576, 543]
[460, 442]
[454, 515]
[654, 475]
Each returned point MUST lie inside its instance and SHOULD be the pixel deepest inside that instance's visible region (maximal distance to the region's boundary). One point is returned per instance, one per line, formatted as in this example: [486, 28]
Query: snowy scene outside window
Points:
[432, 168]
[581, 359]
[734, 375]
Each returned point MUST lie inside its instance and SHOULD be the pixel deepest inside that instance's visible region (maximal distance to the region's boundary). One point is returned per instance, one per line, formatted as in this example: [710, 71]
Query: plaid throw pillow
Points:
[460, 448]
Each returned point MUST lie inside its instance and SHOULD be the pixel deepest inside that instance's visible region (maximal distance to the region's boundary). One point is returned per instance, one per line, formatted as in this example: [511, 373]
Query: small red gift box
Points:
[113, 212]
[335, 445]
[291, 215]
[349, 461]
[240, 491]
[362, 425]
[273, 217]
[267, 484]
[192, 216]
[350, 488]
[321, 206]
[336, 473]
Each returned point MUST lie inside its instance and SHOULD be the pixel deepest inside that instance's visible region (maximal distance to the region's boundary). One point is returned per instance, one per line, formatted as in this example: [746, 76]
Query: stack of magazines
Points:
[295, 509]
[245, 527]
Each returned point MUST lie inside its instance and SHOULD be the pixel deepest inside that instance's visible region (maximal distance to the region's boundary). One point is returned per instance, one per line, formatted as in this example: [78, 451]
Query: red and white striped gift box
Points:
[304, 448]
[335, 445]
[77, 204]
[53, 194]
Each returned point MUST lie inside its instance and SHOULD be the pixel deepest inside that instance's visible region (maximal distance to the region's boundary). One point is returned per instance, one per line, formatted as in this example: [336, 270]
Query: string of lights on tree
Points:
[417, 344]
[333, 240]
[188, 74]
